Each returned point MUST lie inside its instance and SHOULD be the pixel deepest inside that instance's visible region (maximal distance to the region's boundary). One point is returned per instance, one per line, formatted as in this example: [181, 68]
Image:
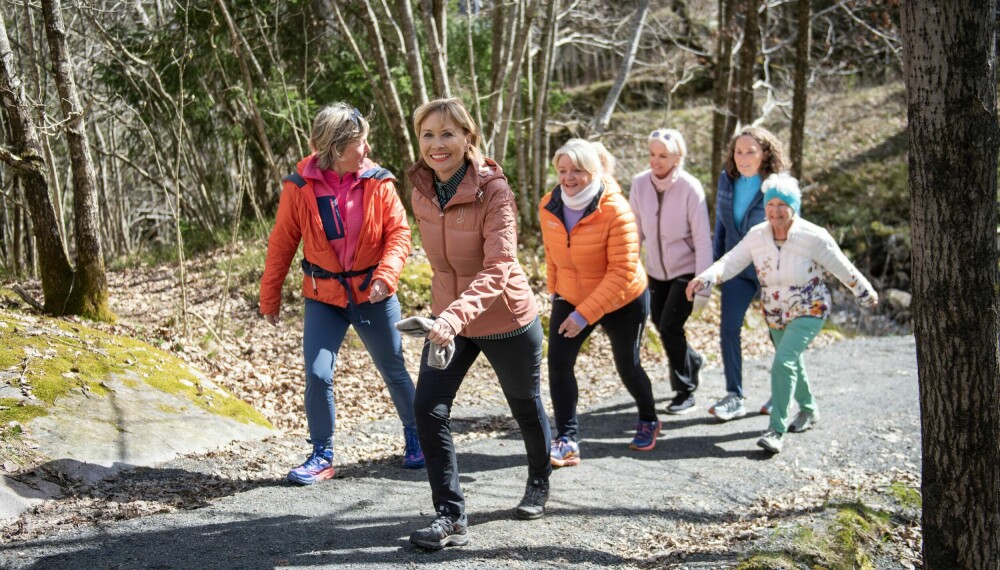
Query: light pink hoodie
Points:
[676, 233]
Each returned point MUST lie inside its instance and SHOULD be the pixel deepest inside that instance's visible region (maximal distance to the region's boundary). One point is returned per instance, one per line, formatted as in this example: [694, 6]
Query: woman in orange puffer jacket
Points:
[595, 277]
[345, 211]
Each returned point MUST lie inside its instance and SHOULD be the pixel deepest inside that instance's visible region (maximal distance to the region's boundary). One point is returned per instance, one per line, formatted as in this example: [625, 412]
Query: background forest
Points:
[189, 113]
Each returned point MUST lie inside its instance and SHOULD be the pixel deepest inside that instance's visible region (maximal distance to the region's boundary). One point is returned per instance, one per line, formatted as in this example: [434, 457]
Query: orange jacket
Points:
[478, 286]
[384, 240]
[596, 266]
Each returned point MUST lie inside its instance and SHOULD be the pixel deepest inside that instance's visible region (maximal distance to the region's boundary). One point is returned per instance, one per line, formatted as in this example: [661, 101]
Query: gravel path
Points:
[701, 472]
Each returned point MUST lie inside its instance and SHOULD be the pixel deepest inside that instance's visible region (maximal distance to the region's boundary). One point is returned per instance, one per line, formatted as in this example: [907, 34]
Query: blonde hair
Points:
[592, 157]
[454, 109]
[334, 127]
[673, 140]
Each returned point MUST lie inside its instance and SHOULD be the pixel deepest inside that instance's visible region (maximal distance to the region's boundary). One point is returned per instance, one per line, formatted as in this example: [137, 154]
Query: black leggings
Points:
[624, 328]
[671, 310]
[517, 363]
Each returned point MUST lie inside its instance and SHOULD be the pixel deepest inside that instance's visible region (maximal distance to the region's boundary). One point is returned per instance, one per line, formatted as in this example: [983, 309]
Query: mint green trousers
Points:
[788, 372]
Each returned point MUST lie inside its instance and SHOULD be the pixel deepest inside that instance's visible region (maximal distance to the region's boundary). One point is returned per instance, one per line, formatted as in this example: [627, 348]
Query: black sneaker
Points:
[445, 530]
[681, 404]
[532, 506]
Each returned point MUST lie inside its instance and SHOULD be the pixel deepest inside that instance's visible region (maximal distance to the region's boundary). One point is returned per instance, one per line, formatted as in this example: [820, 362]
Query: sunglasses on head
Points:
[355, 117]
[658, 134]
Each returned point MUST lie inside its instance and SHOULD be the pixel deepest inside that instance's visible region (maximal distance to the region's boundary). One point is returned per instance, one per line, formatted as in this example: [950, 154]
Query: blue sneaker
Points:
[645, 435]
[413, 457]
[564, 452]
[318, 467]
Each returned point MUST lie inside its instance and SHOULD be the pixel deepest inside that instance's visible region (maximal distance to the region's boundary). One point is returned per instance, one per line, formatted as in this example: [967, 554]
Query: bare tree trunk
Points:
[748, 62]
[517, 55]
[435, 25]
[89, 296]
[539, 134]
[603, 118]
[25, 158]
[951, 86]
[801, 84]
[720, 89]
[251, 97]
[414, 63]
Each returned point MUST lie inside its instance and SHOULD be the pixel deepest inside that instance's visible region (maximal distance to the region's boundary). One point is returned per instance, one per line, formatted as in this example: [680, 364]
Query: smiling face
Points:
[748, 155]
[443, 144]
[353, 156]
[780, 215]
[572, 178]
[661, 160]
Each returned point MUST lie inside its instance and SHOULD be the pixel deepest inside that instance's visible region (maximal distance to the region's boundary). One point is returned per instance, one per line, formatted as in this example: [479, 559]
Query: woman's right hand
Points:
[693, 287]
[272, 319]
[441, 333]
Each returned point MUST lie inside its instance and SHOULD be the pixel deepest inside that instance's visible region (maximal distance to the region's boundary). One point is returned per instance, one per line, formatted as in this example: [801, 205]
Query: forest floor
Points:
[226, 339]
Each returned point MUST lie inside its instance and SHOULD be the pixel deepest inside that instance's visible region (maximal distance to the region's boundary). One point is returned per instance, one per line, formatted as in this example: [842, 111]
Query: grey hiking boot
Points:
[445, 530]
[729, 408]
[771, 441]
[803, 421]
[532, 506]
[682, 403]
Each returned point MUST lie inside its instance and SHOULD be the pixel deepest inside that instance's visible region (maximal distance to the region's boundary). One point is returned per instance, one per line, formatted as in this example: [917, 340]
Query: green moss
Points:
[12, 410]
[768, 561]
[414, 288]
[908, 497]
[59, 356]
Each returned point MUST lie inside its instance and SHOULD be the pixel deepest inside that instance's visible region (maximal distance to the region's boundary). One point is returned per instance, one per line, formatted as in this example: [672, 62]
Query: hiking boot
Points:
[728, 408]
[681, 404]
[803, 421]
[444, 530]
[771, 441]
[564, 452]
[413, 457]
[318, 466]
[765, 410]
[645, 435]
[532, 505]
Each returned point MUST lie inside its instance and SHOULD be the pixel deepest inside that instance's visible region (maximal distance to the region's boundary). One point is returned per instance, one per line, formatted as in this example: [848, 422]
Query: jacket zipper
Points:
[659, 232]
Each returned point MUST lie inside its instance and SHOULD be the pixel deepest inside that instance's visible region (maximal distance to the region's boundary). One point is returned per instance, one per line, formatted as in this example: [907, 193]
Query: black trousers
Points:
[624, 328]
[517, 363]
[670, 310]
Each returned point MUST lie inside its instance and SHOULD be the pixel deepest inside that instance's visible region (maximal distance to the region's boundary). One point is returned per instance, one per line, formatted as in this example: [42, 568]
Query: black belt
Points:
[316, 272]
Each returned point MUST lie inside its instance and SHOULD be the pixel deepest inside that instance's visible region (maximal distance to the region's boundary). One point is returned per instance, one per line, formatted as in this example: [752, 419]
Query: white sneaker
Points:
[765, 410]
[771, 441]
[803, 421]
[728, 408]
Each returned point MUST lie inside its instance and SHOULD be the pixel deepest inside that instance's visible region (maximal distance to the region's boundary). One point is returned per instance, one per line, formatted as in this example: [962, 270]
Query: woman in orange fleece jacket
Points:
[595, 277]
[345, 210]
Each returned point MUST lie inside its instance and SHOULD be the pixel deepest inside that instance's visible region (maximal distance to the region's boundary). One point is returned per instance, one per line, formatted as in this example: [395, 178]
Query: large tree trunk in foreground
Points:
[89, 294]
[25, 156]
[950, 59]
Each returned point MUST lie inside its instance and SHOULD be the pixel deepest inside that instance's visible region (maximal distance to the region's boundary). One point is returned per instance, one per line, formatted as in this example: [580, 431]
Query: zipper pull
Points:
[313, 277]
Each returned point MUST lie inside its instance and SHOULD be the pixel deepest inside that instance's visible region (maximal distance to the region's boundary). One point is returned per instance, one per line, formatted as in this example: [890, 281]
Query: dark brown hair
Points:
[774, 158]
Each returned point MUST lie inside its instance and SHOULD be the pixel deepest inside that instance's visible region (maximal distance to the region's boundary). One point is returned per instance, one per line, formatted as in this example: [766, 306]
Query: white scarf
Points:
[582, 198]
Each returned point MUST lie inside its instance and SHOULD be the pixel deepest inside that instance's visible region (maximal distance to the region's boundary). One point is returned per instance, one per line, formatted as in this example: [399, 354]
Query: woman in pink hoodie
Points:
[669, 206]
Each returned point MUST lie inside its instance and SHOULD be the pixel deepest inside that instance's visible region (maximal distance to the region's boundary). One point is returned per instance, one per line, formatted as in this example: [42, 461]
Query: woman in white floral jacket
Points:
[790, 255]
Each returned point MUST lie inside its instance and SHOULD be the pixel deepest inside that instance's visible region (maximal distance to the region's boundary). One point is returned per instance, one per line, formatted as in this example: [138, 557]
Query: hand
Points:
[869, 301]
[272, 319]
[700, 302]
[441, 333]
[570, 328]
[379, 291]
[693, 287]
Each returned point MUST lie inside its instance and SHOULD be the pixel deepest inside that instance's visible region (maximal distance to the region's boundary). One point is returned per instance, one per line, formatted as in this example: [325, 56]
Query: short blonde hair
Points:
[592, 157]
[454, 109]
[334, 127]
[672, 139]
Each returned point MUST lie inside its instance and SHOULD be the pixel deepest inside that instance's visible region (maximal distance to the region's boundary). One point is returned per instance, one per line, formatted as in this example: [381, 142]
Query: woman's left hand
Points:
[441, 333]
[570, 328]
[379, 291]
